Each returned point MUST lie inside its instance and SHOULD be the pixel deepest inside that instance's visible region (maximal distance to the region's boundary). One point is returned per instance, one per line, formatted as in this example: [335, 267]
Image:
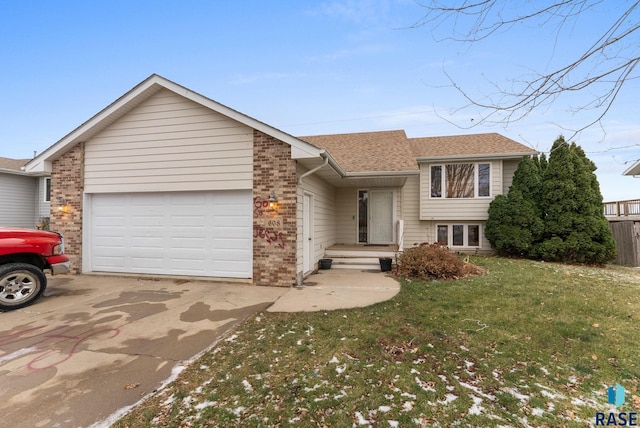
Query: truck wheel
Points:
[21, 284]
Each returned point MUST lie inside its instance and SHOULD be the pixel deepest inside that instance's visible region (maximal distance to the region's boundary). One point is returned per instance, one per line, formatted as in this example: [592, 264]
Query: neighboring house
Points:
[633, 170]
[167, 181]
[24, 198]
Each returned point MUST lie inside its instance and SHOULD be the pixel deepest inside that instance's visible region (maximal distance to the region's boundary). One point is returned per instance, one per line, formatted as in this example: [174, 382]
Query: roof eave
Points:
[12, 171]
[483, 156]
[363, 174]
[633, 170]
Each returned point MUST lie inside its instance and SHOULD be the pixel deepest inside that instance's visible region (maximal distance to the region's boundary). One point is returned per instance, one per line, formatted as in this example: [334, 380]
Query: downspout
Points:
[314, 170]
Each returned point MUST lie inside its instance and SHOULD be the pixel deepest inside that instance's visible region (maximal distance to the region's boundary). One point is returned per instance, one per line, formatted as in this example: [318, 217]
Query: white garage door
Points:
[173, 233]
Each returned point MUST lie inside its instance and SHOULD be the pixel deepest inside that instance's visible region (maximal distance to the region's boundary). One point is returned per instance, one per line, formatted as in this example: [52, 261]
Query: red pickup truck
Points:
[24, 256]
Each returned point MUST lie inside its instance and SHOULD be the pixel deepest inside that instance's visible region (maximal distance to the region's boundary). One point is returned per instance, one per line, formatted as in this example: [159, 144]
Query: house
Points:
[167, 181]
[24, 198]
[633, 170]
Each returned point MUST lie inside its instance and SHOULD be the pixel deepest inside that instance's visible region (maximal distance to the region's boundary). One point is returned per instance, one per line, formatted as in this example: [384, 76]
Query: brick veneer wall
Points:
[274, 232]
[67, 181]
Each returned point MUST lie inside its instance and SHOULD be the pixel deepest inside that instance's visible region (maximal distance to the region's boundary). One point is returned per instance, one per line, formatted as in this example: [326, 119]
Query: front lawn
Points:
[527, 344]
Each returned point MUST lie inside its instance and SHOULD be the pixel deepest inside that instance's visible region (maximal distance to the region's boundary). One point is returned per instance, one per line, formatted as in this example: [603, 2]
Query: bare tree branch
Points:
[603, 68]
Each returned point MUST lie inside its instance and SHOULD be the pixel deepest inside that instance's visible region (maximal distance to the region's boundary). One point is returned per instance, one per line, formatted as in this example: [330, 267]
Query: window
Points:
[459, 235]
[473, 235]
[47, 189]
[484, 179]
[436, 181]
[443, 234]
[461, 180]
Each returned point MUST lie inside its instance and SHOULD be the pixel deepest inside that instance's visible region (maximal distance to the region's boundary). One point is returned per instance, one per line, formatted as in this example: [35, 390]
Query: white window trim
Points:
[44, 182]
[476, 178]
[465, 243]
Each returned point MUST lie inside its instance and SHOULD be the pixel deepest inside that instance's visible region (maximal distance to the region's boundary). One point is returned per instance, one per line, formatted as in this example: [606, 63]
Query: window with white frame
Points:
[458, 235]
[47, 189]
[461, 180]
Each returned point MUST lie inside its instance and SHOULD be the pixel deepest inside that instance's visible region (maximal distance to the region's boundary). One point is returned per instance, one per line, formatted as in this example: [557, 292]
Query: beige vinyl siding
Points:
[17, 200]
[414, 230]
[169, 143]
[323, 217]
[509, 167]
[346, 216]
[453, 208]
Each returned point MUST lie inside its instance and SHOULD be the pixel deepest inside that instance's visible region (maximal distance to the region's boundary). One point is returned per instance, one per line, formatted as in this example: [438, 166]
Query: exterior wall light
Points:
[273, 202]
[63, 206]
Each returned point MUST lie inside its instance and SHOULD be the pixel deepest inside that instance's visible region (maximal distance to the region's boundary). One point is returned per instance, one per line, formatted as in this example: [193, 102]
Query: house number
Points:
[274, 223]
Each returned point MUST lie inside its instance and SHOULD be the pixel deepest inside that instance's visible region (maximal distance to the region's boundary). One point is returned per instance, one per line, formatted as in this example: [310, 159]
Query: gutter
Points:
[364, 174]
[476, 156]
[16, 172]
[316, 169]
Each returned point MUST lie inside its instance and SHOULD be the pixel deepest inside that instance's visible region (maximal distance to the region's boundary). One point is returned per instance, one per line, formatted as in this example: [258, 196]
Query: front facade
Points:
[165, 181]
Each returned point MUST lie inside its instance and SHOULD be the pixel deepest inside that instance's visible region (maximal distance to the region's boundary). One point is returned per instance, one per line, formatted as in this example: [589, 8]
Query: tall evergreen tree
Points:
[575, 229]
[514, 224]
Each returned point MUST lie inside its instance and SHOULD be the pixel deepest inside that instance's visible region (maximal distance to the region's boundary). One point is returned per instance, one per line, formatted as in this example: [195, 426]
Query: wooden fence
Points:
[627, 237]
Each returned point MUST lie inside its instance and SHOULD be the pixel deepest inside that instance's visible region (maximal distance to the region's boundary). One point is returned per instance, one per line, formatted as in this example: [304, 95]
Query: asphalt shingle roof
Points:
[393, 151]
[466, 145]
[368, 151]
[15, 164]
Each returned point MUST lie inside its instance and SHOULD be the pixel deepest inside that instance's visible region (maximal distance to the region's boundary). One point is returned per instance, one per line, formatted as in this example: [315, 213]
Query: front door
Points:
[380, 217]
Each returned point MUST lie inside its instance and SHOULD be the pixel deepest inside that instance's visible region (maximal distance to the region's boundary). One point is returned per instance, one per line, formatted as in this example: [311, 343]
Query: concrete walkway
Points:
[95, 345]
[338, 289]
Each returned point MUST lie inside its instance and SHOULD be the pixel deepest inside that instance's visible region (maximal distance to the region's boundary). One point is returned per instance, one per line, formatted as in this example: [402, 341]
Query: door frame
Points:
[370, 191]
[308, 247]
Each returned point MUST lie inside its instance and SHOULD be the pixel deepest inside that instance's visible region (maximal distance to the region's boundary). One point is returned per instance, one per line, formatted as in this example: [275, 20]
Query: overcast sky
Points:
[305, 67]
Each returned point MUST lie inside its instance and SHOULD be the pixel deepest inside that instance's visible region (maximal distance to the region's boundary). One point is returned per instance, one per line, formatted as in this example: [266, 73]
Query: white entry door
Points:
[307, 233]
[381, 217]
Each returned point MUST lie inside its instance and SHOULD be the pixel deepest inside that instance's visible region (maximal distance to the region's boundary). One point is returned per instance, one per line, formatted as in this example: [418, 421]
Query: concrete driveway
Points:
[95, 344]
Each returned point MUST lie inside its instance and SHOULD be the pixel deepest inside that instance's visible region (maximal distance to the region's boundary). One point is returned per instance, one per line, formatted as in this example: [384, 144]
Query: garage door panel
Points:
[188, 233]
[231, 244]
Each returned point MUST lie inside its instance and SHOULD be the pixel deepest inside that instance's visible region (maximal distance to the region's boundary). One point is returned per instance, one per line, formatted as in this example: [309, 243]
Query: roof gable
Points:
[140, 93]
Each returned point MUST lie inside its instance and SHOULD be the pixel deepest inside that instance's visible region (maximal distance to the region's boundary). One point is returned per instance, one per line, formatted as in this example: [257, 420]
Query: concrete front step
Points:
[363, 263]
[355, 267]
[358, 257]
[335, 254]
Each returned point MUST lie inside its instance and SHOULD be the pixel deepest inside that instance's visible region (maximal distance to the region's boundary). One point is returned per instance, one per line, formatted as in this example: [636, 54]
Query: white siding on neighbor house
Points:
[457, 208]
[17, 200]
[169, 143]
[322, 218]
[509, 167]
